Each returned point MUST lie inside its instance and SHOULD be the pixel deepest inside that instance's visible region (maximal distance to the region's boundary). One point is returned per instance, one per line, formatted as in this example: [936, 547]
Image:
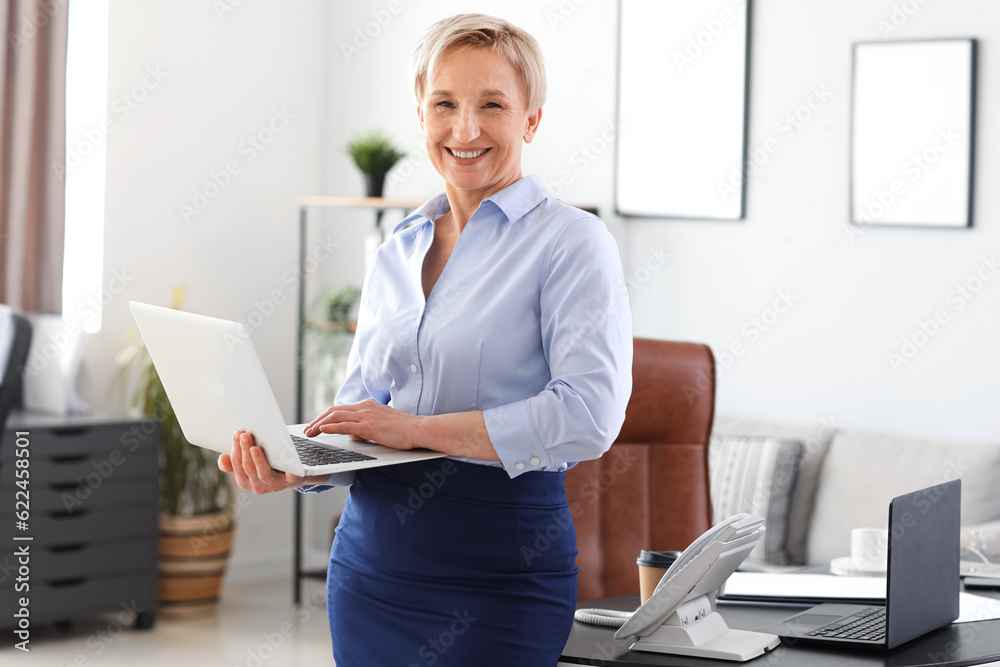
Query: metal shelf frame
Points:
[379, 205]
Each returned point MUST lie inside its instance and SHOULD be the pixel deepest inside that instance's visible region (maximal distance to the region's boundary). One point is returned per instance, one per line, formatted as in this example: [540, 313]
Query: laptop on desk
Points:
[216, 385]
[922, 579]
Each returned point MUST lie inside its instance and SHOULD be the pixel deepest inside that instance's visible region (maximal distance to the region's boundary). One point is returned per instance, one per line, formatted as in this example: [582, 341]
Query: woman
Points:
[494, 327]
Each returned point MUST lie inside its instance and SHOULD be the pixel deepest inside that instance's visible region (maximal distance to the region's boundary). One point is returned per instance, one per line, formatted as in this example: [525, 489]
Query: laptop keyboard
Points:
[866, 624]
[312, 454]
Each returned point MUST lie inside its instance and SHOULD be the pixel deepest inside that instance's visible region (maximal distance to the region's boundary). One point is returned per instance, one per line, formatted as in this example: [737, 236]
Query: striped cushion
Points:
[756, 475]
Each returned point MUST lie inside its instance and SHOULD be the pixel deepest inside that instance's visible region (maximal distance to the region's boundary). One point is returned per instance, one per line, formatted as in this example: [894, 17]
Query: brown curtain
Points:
[32, 144]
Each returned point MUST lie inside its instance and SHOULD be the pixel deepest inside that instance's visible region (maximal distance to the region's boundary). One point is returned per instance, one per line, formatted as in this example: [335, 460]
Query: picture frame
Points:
[913, 132]
[681, 108]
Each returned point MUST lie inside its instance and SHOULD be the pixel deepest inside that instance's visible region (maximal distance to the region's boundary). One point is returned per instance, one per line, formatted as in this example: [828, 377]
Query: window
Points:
[84, 294]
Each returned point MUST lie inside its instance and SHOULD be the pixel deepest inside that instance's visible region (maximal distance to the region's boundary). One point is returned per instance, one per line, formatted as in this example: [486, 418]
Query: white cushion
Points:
[6, 336]
[54, 360]
[863, 471]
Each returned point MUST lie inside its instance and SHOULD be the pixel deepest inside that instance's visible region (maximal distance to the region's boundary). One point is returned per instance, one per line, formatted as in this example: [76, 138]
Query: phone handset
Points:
[722, 532]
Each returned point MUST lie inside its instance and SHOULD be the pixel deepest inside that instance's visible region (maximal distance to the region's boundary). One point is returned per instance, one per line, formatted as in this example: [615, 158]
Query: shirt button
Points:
[413, 368]
[519, 466]
[535, 461]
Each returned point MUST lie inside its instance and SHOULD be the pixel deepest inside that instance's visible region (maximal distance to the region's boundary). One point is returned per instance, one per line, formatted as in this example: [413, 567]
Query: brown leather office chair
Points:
[650, 490]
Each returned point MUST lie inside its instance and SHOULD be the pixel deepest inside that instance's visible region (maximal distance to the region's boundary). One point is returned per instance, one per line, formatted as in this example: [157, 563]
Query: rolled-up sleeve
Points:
[586, 328]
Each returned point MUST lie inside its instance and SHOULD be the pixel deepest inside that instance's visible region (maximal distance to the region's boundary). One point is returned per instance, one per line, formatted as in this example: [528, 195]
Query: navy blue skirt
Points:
[448, 563]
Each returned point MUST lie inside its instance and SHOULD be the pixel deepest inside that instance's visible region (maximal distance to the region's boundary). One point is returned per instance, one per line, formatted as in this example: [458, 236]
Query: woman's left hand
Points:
[368, 420]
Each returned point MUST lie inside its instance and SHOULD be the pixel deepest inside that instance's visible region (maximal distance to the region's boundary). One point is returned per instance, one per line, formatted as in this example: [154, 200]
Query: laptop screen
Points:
[922, 584]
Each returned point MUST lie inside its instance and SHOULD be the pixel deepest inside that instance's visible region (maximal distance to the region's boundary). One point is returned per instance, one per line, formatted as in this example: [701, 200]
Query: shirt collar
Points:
[432, 209]
[515, 201]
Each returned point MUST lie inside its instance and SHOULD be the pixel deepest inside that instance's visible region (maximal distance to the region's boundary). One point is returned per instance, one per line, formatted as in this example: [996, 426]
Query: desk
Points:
[958, 644]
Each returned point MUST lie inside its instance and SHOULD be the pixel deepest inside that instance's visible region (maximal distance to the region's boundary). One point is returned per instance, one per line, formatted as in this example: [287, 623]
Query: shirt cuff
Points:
[335, 479]
[514, 439]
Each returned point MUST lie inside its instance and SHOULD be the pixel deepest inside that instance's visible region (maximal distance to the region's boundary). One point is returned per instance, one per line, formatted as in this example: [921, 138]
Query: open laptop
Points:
[216, 385]
[922, 579]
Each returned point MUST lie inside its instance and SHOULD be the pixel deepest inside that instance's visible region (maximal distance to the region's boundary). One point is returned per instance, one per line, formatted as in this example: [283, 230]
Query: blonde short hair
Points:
[511, 43]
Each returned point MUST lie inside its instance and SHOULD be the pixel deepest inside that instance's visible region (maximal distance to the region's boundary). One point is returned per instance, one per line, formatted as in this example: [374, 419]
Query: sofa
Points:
[814, 483]
[676, 468]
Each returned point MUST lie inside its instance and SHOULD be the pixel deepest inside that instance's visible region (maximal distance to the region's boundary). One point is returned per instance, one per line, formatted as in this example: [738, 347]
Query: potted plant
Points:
[196, 497]
[374, 154]
[339, 306]
[330, 332]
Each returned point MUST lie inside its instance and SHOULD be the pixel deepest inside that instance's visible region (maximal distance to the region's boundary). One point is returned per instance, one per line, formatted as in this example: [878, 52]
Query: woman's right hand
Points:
[248, 463]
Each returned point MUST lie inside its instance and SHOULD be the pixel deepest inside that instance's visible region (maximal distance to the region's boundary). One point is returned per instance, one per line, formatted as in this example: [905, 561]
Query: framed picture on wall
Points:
[682, 97]
[912, 132]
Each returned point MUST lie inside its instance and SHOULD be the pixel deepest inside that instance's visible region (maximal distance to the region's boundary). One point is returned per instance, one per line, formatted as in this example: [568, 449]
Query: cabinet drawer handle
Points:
[65, 514]
[64, 486]
[68, 458]
[66, 583]
[65, 548]
[69, 430]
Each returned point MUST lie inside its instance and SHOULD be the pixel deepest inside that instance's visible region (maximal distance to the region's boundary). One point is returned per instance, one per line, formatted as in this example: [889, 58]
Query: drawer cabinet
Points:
[92, 516]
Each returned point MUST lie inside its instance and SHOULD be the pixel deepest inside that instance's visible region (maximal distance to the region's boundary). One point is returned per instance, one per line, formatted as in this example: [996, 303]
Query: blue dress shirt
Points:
[529, 322]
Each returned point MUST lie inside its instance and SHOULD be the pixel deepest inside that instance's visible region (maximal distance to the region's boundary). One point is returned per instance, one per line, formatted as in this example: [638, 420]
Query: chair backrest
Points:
[19, 334]
[650, 490]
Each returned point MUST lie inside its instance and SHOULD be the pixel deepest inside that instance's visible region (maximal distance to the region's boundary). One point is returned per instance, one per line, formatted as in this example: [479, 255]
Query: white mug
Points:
[869, 548]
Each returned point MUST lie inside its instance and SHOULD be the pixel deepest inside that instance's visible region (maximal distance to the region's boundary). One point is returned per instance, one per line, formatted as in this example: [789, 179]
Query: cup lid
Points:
[657, 558]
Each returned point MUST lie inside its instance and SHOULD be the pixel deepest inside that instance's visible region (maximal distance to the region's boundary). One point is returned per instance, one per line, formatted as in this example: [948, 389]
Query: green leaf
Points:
[373, 152]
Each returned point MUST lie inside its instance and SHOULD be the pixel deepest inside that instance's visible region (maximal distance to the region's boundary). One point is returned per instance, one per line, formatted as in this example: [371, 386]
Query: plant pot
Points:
[374, 184]
[193, 556]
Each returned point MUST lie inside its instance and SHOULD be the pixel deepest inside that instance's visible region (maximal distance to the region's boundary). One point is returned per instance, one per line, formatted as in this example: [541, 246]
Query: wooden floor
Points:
[255, 624]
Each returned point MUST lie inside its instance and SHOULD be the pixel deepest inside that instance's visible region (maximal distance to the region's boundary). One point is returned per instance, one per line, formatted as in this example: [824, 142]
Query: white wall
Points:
[825, 359]
[224, 76]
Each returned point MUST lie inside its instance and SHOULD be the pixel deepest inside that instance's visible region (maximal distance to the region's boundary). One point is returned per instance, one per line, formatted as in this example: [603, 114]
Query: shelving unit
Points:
[379, 205]
[92, 530]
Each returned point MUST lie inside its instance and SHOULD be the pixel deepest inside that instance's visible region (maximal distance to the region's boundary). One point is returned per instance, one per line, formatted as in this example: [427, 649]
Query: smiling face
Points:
[474, 119]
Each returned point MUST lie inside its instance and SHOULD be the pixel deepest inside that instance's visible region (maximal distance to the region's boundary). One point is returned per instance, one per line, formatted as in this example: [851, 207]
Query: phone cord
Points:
[606, 617]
